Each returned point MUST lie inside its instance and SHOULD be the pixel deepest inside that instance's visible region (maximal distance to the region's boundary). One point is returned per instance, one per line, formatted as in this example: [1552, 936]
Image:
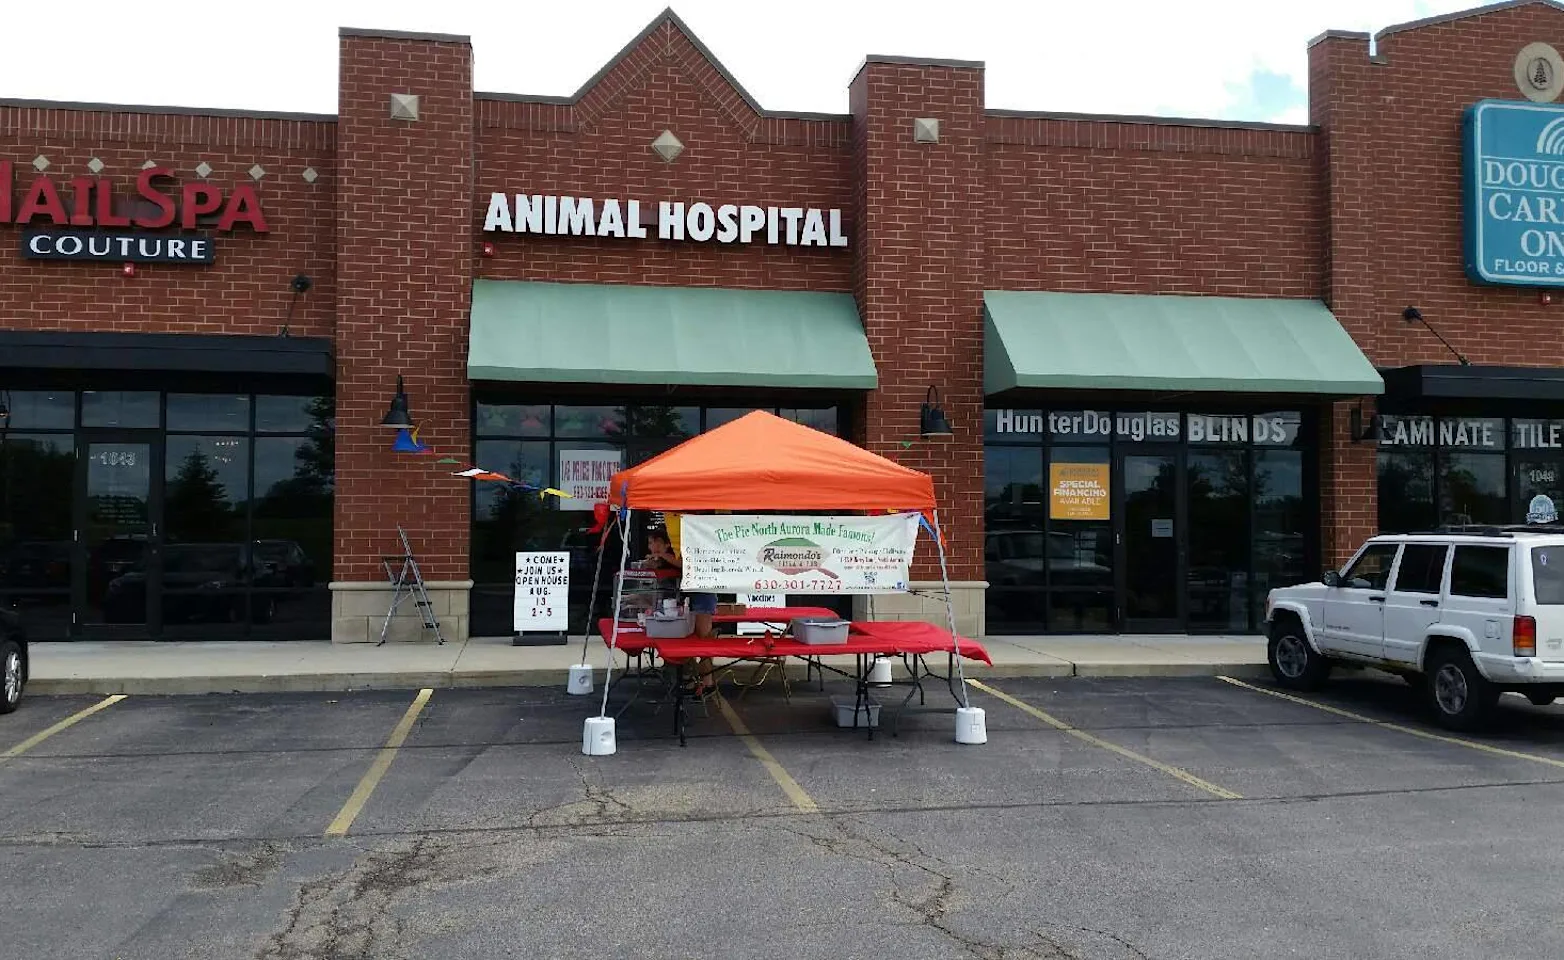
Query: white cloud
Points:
[1133, 56]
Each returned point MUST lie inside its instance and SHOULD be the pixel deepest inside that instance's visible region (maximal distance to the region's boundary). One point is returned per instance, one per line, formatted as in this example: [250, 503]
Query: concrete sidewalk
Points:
[150, 668]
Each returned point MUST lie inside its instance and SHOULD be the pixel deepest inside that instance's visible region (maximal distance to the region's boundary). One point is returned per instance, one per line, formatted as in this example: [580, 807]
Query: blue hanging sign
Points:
[1513, 186]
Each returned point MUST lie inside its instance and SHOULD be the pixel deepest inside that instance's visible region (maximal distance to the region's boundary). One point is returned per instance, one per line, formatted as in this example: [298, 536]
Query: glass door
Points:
[118, 510]
[1151, 542]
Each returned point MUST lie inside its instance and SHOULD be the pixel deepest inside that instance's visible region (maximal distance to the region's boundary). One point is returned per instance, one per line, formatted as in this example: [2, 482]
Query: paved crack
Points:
[346, 915]
[246, 868]
[931, 905]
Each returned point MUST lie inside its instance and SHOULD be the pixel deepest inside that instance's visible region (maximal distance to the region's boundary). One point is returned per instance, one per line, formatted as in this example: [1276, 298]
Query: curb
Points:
[552, 677]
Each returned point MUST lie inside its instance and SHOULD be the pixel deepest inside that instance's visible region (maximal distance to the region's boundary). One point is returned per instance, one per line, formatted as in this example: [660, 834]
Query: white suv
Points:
[1465, 615]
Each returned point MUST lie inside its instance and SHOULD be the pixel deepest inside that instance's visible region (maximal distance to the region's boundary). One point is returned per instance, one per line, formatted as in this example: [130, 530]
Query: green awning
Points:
[1113, 341]
[707, 336]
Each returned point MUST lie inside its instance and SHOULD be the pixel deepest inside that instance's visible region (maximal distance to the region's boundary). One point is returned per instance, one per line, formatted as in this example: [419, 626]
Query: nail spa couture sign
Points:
[672, 220]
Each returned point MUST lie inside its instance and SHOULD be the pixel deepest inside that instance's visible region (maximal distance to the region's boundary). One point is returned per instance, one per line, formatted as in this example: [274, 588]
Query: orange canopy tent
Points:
[763, 462]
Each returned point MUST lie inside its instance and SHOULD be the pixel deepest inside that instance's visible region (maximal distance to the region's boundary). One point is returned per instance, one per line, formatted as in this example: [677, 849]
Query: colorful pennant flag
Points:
[407, 442]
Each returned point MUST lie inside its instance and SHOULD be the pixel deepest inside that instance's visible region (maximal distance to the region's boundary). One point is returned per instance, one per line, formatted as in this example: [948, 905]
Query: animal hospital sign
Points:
[561, 216]
[1513, 184]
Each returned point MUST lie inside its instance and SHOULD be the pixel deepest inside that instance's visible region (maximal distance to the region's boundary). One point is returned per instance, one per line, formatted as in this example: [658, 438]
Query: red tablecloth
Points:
[883, 637]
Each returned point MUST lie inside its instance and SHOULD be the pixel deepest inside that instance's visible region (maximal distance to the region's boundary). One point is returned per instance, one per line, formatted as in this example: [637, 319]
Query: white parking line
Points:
[1399, 728]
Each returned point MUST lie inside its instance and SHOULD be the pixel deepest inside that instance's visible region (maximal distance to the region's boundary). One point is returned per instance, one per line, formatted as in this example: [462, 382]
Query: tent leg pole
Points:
[597, 578]
[950, 612]
[619, 587]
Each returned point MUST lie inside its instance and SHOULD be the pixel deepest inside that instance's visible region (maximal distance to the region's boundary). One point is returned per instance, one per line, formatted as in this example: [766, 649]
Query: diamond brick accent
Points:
[203, 169]
[404, 106]
[257, 172]
[667, 146]
[95, 165]
[149, 165]
[309, 175]
[40, 163]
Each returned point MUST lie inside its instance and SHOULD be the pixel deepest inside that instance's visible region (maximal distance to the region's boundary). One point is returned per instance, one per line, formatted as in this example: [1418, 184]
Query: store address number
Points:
[116, 458]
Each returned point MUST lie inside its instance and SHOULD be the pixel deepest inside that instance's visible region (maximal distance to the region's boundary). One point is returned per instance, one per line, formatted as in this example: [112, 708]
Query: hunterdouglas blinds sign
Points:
[84, 218]
[1514, 193]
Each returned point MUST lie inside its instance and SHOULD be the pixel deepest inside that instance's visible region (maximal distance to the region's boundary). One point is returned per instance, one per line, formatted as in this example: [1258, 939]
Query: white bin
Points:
[868, 714]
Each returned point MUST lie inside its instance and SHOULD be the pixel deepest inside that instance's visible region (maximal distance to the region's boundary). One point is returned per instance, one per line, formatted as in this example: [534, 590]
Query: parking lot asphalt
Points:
[1105, 818]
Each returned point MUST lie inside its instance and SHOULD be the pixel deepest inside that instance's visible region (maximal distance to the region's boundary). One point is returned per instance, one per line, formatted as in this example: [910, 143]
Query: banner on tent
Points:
[780, 554]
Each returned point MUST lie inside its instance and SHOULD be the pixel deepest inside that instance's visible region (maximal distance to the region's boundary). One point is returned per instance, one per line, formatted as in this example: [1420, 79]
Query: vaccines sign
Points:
[1514, 193]
[542, 592]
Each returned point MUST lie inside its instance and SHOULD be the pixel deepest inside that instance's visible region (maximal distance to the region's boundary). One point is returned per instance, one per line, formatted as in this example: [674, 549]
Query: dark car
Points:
[13, 661]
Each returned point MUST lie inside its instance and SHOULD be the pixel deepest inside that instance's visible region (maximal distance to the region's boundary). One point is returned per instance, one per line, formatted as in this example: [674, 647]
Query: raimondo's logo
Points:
[795, 555]
[1551, 140]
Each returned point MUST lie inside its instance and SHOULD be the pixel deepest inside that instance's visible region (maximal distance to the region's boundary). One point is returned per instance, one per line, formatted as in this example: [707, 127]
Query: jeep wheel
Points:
[1293, 662]
[11, 679]
[1462, 699]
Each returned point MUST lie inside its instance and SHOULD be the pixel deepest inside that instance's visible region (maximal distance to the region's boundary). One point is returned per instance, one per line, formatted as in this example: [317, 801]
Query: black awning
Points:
[1453, 382]
[167, 353]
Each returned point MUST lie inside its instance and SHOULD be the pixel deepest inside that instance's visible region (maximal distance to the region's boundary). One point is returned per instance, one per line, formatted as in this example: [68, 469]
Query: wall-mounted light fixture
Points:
[931, 418]
[488, 248]
[300, 285]
[1414, 315]
[128, 270]
[398, 416]
[1365, 428]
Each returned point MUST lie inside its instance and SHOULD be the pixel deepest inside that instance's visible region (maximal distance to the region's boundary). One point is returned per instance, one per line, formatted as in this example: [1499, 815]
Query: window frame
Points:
[1401, 565]
[1509, 571]
[1395, 558]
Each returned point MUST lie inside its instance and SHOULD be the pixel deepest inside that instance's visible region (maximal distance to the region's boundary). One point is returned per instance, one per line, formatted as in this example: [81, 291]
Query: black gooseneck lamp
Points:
[931, 418]
[1414, 315]
[300, 285]
[398, 417]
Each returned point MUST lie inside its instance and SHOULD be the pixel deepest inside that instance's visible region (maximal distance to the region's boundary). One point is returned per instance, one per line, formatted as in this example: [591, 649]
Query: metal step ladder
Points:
[407, 583]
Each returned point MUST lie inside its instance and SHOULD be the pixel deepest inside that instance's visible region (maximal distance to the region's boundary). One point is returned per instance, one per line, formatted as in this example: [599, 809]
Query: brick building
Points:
[1174, 354]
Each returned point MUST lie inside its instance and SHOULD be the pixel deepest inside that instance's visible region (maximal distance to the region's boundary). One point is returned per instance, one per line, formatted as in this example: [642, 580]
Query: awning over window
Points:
[618, 333]
[1108, 341]
[1453, 382]
[166, 353]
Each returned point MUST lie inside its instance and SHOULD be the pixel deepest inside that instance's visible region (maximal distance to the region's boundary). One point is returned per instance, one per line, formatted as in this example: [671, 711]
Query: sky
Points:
[1223, 59]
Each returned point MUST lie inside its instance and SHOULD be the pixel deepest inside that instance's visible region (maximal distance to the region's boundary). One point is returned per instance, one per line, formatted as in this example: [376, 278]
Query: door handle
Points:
[1376, 599]
[1429, 603]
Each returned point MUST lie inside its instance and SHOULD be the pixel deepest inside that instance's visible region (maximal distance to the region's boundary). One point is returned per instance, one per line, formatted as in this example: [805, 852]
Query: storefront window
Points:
[120, 408]
[40, 409]
[37, 475]
[1147, 519]
[202, 411]
[244, 522]
[1219, 542]
[1471, 488]
[513, 420]
[1281, 524]
[576, 449]
[1437, 471]
[605, 422]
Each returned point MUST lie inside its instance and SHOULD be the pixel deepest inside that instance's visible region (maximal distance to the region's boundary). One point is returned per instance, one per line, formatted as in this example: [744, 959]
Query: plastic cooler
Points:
[820, 631]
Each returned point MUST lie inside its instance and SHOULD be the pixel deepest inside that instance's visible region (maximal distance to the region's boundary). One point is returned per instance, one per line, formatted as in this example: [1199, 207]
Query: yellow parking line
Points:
[1082, 735]
[1399, 728]
[69, 721]
[796, 793]
[351, 809]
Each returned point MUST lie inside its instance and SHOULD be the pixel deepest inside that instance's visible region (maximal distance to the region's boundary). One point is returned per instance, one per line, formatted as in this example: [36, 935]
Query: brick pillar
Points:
[918, 281]
[404, 282]
[1340, 70]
